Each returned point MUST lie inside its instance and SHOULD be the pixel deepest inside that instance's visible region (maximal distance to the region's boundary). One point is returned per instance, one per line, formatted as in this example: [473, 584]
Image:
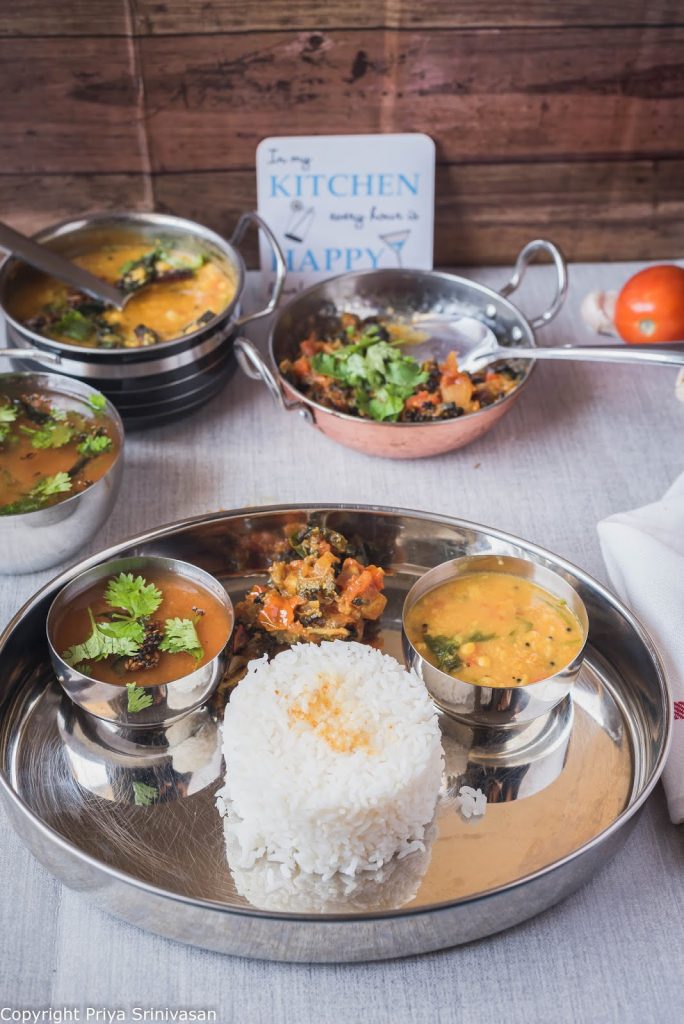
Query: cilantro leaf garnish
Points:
[97, 402]
[49, 485]
[38, 496]
[51, 435]
[144, 795]
[382, 378]
[326, 364]
[138, 699]
[180, 635]
[94, 444]
[133, 594]
[370, 334]
[405, 373]
[123, 629]
[386, 404]
[379, 355]
[101, 644]
[21, 505]
[74, 325]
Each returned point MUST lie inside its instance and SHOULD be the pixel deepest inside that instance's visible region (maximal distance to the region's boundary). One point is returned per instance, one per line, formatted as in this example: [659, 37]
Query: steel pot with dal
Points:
[155, 383]
[411, 297]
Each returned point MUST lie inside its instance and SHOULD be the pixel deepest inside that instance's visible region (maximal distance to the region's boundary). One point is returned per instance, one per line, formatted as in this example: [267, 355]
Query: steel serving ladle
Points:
[477, 344]
[50, 262]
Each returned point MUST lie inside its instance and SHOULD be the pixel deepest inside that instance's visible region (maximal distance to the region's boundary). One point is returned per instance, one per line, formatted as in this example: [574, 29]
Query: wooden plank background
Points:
[565, 120]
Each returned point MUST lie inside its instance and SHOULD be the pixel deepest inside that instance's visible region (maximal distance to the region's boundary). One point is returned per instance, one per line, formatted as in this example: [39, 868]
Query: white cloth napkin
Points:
[644, 554]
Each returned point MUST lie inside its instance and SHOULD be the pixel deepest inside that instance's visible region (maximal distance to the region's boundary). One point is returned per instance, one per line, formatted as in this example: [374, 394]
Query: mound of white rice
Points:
[390, 887]
[333, 760]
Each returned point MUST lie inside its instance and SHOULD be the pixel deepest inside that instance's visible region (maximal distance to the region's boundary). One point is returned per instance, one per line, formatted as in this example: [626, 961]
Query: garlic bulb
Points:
[597, 311]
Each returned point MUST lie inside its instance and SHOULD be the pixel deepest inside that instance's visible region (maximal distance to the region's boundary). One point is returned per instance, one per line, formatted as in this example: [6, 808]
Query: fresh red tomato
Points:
[650, 307]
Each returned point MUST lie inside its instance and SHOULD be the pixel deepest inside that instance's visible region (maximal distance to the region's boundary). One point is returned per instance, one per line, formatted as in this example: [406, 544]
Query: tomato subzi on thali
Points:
[319, 587]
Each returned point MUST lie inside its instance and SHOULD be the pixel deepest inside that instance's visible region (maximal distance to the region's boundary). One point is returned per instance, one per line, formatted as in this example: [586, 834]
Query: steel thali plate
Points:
[137, 832]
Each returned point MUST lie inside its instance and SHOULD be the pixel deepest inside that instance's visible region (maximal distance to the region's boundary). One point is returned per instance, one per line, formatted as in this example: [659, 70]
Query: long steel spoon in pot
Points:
[50, 262]
[476, 344]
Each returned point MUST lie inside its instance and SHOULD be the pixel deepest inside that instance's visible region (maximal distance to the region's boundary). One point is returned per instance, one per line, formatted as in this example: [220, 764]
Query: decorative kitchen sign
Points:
[346, 202]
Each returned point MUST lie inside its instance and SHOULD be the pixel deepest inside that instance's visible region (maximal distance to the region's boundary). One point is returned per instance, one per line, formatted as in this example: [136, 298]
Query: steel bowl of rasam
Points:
[497, 640]
[140, 642]
[61, 462]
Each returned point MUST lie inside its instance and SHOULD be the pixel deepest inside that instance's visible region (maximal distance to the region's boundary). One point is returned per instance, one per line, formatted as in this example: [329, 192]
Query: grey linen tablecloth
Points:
[584, 442]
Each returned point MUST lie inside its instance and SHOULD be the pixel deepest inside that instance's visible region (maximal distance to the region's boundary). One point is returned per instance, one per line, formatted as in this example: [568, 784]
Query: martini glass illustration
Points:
[395, 240]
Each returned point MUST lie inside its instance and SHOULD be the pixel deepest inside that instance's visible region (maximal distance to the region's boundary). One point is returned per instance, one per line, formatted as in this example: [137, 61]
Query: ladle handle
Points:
[53, 263]
[252, 363]
[36, 354]
[525, 257]
[661, 355]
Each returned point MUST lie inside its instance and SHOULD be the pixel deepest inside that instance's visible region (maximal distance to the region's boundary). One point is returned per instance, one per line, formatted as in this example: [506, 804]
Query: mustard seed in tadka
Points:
[494, 629]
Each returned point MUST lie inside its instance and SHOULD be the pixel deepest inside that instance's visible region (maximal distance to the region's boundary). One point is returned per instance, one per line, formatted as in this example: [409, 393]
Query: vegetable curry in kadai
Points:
[319, 588]
[359, 368]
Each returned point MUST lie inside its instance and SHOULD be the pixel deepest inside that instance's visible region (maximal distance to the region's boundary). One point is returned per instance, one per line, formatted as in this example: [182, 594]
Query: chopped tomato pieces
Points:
[310, 346]
[278, 612]
[449, 367]
[420, 399]
[361, 588]
[301, 366]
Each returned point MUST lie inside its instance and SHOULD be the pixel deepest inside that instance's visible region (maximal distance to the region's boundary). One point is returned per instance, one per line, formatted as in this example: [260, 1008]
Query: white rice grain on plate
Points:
[472, 803]
[334, 760]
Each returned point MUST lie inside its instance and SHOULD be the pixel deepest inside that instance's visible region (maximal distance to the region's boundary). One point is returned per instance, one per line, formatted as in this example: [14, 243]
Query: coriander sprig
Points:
[54, 434]
[122, 639]
[133, 594]
[97, 401]
[94, 444]
[180, 636]
[75, 325]
[138, 699]
[381, 377]
[39, 495]
[144, 795]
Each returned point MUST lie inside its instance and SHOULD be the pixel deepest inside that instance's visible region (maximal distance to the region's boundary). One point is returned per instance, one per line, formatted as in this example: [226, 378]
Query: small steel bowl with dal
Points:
[495, 706]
